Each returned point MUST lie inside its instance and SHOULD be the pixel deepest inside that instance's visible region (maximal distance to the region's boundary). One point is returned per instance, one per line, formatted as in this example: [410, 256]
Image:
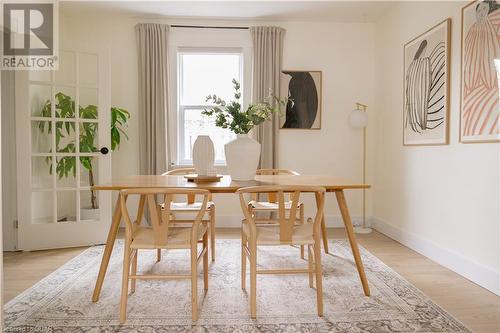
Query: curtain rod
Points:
[206, 27]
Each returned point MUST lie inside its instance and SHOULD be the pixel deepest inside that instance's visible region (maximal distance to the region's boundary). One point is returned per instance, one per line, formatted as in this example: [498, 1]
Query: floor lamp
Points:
[359, 119]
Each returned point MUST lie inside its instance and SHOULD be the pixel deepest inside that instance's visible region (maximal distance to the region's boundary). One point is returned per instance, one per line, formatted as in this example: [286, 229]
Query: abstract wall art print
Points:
[303, 90]
[426, 87]
[480, 110]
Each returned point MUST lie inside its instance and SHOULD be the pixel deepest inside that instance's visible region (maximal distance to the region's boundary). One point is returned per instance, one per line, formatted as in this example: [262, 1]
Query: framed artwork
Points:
[303, 110]
[426, 87]
[480, 110]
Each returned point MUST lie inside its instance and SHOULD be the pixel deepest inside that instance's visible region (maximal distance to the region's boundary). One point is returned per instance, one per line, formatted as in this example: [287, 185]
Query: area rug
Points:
[62, 301]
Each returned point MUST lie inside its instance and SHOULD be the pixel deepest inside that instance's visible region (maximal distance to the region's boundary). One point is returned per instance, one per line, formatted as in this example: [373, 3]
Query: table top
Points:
[227, 185]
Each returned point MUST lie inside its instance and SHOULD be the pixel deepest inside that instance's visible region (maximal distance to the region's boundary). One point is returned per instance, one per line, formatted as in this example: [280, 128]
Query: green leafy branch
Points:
[229, 115]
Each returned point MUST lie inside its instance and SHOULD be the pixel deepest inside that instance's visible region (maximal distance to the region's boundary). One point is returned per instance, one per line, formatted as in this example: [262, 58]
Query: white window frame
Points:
[192, 38]
[180, 144]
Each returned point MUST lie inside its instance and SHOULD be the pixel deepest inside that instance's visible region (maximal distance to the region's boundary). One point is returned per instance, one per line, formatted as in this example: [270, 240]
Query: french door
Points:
[63, 148]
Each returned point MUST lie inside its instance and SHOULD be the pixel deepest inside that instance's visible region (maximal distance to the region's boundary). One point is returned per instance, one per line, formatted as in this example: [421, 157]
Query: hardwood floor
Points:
[24, 269]
[478, 308]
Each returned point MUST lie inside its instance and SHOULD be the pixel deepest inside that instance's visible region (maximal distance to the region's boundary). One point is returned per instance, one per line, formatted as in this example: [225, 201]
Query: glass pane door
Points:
[67, 129]
[64, 128]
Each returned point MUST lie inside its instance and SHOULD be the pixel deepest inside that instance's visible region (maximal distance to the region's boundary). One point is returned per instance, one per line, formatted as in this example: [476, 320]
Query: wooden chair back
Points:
[286, 222]
[182, 172]
[271, 196]
[160, 218]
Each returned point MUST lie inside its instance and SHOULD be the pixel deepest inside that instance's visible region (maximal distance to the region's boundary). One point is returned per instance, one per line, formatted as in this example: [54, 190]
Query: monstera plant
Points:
[65, 130]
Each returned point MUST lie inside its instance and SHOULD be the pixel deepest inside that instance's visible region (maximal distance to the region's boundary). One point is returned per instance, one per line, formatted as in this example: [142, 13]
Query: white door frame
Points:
[1, 222]
[62, 234]
[9, 212]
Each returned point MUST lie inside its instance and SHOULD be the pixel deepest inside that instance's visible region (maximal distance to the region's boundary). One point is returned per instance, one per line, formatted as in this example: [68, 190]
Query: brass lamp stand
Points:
[359, 119]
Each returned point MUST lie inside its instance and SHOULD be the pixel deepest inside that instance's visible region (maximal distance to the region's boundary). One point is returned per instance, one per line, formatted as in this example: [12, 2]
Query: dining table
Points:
[227, 185]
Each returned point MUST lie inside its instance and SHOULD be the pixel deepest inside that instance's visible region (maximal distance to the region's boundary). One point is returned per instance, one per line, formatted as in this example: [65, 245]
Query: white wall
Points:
[443, 201]
[343, 51]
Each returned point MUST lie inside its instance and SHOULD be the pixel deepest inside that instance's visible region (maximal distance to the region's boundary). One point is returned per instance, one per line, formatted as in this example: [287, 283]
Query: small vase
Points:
[203, 155]
[242, 157]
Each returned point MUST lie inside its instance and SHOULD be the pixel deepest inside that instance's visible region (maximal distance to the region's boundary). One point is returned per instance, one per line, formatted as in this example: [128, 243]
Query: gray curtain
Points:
[152, 54]
[267, 60]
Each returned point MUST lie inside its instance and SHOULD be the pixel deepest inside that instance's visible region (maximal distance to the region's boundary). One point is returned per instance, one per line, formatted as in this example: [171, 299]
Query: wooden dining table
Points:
[227, 185]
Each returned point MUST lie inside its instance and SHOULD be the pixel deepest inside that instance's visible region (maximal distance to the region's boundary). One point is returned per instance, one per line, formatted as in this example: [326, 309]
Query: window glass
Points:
[206, 74]
[202, 74]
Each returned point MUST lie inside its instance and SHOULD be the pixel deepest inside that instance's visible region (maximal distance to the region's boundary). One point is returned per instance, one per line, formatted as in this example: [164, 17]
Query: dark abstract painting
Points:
[426, 87]
[303, 89]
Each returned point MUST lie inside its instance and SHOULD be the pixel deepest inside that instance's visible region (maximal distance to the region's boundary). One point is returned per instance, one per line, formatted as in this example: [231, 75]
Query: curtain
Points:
[267, 60]
[152, 56]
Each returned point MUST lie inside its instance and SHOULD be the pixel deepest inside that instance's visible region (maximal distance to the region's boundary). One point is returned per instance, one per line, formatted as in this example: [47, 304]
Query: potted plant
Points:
[66, 165]
[243, 153]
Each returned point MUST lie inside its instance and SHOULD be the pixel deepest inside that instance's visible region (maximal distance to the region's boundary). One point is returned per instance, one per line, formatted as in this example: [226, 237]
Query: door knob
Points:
[104, 150]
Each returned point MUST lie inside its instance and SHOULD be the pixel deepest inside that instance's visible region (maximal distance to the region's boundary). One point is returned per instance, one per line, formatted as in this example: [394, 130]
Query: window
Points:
[202, 73]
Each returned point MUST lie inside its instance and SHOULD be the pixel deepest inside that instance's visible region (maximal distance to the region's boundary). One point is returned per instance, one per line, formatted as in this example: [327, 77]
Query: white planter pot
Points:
[242, 157]
[203, 155]
[89, 214]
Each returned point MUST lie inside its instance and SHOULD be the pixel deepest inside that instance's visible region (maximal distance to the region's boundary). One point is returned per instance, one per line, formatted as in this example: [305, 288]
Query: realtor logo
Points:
[29, 38]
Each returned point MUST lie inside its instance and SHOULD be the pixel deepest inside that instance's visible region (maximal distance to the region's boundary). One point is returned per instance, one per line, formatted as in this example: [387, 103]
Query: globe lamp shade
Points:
[358, 119]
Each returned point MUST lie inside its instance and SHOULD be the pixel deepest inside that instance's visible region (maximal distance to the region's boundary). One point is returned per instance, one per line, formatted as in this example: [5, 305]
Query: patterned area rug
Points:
[62, 301]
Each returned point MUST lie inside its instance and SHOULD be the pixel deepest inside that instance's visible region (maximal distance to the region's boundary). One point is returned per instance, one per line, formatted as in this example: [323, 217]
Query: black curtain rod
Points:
[206, 27]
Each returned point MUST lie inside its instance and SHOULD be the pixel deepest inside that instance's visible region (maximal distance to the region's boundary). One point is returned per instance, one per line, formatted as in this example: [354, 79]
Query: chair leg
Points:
[310, 266]
[212, 232]
[134, 270]
[194, 283]
[301, 219]
[158, 255]
[205, 261]
[319, 275]
[125, 275]
[243, 261]
[253, 279]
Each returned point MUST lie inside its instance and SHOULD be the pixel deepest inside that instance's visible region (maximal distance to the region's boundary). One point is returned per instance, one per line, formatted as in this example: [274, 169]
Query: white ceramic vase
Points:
[242, 157]
[203, 155]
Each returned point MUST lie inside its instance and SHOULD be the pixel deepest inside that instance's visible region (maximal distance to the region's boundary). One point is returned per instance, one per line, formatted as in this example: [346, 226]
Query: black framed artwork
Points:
[303, 90]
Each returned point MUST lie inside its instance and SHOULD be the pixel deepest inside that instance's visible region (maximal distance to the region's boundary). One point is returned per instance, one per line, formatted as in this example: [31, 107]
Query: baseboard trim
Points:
[477, 273]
